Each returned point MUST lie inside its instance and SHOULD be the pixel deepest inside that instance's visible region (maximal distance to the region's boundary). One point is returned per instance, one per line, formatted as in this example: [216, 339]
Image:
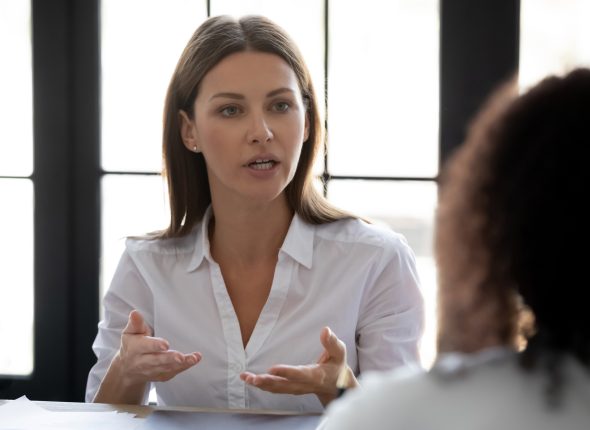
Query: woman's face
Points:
[250, 123]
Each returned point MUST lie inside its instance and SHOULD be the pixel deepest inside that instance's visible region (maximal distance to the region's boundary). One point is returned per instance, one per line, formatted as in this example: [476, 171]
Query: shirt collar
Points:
[298, 243]
[456, 363]
[202, 248]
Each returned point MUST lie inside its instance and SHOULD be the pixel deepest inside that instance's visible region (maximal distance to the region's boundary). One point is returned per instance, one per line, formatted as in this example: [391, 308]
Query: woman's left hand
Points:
[319, 379]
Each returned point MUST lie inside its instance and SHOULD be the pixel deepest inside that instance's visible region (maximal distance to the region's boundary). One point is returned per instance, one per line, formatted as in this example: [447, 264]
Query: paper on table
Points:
[22, 414]
[174, 420]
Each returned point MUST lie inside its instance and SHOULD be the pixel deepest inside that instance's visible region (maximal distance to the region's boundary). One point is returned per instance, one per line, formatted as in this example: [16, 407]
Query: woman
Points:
[257, 275]
[511, 209]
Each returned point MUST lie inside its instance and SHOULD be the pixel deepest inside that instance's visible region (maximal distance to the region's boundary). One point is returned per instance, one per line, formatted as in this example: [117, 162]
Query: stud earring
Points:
[195, 149]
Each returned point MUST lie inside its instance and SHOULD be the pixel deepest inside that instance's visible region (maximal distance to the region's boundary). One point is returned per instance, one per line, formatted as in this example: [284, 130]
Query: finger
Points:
[165, 365]
[140, 344]
[175, 358]
[165, 373]
[335, 348]
[186, 360]
[137, 325]
[196, 357]
[276, 384]
[293, 373]
[244, 376]
[324, 358]
[155, 344]
[190, 362]
[316, 378]
[191, 359]
[261, 380]
[151, 363]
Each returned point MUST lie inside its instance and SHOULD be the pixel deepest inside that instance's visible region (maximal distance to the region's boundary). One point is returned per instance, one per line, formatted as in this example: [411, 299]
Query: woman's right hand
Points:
[141, 358]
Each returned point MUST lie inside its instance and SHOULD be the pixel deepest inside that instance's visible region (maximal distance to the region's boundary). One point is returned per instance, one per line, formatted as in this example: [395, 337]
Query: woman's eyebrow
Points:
[227, 95]
[279, 91]
[238, 96]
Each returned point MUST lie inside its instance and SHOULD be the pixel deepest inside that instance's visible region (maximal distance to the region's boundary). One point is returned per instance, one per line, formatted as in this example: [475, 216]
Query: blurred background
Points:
[82, 86]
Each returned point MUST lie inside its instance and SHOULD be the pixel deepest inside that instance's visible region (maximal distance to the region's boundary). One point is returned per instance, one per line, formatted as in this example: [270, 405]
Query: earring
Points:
[195, 149]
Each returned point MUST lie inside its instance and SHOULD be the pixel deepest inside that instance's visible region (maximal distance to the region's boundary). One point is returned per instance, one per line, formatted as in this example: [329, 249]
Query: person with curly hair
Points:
[510, 223]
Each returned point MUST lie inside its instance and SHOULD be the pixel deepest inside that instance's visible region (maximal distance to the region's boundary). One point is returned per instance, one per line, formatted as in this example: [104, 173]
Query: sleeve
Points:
[391, 318]
[128, 291]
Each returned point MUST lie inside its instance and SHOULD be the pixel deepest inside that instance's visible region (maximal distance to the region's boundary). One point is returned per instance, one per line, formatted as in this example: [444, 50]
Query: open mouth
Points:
[262, 164]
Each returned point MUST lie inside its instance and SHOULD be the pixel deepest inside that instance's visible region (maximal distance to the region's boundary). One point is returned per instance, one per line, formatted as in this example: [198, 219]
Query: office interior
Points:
[478, 47]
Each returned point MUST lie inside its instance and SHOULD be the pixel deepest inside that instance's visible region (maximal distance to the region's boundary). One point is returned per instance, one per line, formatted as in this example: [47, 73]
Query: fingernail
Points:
[163, 347]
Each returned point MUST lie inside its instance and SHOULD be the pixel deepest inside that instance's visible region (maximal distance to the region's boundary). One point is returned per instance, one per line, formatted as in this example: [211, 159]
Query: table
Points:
[140, 411]
[144, 411]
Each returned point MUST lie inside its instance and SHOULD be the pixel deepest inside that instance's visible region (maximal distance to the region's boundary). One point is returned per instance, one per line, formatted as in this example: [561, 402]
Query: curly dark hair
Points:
[511, 210]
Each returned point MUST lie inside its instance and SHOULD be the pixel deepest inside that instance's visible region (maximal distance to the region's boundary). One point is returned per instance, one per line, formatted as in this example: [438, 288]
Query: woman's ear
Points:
[188, 132]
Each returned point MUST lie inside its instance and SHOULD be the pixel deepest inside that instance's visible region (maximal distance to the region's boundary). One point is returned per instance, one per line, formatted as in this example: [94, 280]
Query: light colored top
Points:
[484, 391]
[356, 278]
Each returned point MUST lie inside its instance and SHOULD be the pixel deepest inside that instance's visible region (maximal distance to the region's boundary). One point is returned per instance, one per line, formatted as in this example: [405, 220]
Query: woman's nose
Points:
[260, 131]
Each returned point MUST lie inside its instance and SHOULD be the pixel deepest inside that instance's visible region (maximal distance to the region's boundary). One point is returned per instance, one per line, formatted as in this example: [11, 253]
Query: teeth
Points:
[258, 165]
[262, 164]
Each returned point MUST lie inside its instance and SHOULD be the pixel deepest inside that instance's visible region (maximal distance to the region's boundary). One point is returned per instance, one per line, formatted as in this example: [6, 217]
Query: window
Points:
[16, 190]
[553, 38]
[383, 124]
[136, 68]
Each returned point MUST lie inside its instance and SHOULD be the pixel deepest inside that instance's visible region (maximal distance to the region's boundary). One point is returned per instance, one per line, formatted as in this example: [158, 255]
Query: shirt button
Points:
[236, 367]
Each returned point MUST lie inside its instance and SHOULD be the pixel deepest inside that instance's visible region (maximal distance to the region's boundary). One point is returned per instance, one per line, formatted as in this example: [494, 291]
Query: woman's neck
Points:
[249, 235]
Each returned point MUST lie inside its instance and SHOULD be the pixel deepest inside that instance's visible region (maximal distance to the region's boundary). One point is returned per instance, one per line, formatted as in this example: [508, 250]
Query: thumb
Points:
[334, 347]
[137, 325]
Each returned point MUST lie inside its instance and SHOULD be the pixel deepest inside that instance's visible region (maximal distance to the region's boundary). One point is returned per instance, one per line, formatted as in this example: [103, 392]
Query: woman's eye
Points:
[281, 107]
[230, 111]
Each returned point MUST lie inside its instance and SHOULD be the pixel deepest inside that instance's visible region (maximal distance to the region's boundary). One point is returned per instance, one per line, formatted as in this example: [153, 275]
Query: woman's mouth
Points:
[262, 164]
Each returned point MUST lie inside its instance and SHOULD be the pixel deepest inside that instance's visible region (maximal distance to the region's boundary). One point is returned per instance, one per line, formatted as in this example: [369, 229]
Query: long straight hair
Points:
[186, 171]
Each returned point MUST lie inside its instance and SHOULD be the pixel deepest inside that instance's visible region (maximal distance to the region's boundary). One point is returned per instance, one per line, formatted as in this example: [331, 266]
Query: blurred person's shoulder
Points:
[408, 398]
[376, 404]
[463, 391]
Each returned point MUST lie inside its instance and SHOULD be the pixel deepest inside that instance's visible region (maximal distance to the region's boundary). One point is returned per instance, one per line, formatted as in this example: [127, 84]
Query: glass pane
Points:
[304, 21]
[141, 43]
[383, 88]
[131, 206]
[16, 277]
[408, 208]
[554, 38]
[16, 89]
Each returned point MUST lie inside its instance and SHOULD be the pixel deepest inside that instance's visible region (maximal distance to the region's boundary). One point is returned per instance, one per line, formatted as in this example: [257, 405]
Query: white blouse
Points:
[356, 278]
